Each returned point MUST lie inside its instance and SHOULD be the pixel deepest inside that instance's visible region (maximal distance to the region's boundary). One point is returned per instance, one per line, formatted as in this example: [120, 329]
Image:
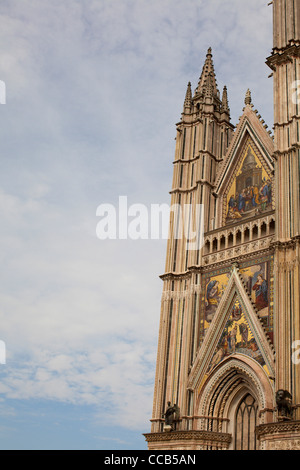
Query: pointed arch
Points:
[224, 390]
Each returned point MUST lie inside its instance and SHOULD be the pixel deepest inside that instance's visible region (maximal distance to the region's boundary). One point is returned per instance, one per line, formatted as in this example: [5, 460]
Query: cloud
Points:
[94, 89]
[79, 325]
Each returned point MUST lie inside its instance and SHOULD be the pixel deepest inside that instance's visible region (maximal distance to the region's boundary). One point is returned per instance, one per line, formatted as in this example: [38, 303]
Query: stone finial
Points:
[225, 106]
[188, 97]
[248, 99]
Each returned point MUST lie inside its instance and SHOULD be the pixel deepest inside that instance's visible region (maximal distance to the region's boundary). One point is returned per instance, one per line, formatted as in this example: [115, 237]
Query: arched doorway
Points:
[236, 397]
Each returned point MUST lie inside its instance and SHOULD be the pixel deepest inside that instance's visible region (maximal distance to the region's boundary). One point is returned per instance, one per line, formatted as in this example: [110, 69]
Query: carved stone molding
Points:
[280, 427]
[238, 251]
[207, 436]
[282, 56]
[279, 436]
[290, 444]
[292, 243]
[229, 262]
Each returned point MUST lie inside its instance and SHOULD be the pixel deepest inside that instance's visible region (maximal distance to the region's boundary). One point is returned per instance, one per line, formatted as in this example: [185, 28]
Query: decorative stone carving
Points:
[284, 404]
[199, 440]
[171, 415]
[284, 435]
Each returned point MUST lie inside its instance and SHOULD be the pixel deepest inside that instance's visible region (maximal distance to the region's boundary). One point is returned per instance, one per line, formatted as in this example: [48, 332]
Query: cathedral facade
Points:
[227, 375]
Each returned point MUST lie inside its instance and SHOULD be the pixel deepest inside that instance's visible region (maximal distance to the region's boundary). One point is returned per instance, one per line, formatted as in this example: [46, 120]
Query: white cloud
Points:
[71, 306]
[94, 89]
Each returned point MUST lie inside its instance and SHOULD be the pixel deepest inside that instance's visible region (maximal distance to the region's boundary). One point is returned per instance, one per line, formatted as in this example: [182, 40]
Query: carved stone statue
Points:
[284, 404]
[171, 414]
[176, 412]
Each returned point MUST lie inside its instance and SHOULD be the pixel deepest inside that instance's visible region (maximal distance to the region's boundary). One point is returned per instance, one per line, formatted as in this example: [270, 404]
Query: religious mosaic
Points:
[258, 282]
[215, 287]
[236, 338]
[255, 278]
[251, 191]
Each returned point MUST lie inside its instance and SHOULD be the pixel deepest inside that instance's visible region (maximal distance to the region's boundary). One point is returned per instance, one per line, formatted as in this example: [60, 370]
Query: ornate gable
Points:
[235, 328]
[244, 182]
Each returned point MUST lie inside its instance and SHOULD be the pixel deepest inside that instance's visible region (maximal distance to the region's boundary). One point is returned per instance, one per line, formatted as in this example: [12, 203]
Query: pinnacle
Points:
[248, 99]
[225, 106]
[207, 84]
[188, 96]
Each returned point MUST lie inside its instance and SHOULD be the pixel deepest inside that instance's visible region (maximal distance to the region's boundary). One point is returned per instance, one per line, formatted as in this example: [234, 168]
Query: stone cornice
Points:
[275, 428]
[240, 258]
[282, 56]
[200, 182]
[279, 244]
[199, 155]
[189, 435]
[218, 264]
[288, 122]
[285, 152]
[173, 276]
[198, 116]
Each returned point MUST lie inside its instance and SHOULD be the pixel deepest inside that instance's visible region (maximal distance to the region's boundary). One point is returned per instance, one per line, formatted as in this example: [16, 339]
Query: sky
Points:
[94, 89]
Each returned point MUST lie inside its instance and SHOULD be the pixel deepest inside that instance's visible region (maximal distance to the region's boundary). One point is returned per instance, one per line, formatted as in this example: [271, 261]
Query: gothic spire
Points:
[207, 84]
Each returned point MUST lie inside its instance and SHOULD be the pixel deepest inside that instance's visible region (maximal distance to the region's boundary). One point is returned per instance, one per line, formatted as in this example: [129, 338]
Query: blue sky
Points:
[94, 89]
